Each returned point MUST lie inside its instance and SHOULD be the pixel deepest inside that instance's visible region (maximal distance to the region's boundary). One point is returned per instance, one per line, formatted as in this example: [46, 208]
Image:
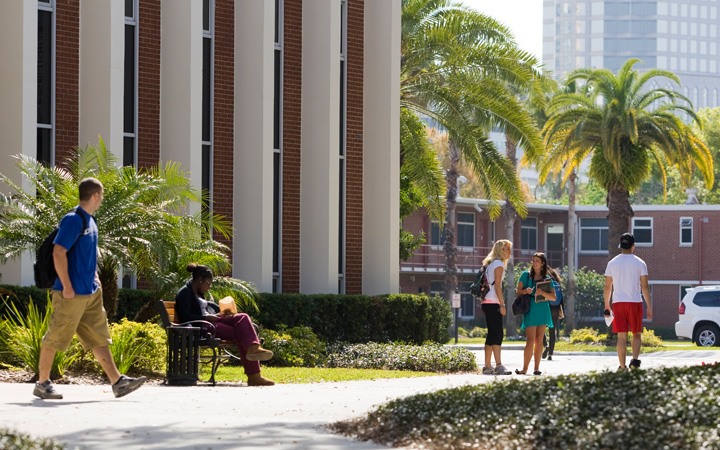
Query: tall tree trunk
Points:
[619, 214]
[509, 213]
[451, 178]
[571, 290]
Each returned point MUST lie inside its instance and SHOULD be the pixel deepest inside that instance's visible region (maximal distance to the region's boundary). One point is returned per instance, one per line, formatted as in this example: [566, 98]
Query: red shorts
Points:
[628, 316]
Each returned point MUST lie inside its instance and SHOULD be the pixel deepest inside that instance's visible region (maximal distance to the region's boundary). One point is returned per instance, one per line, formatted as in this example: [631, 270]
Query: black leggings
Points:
[555, 313]
[494, 323]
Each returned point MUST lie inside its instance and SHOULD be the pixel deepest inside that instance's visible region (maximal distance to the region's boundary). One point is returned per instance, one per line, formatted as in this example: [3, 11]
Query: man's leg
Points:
[622, 347]
[636, 343]
[104, 357]
[47, 355]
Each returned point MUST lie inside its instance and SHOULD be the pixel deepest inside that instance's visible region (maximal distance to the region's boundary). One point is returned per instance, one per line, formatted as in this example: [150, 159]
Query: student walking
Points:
[538, 316]
[626, 283]
[77, 297]
[493, 306]
[556, 313]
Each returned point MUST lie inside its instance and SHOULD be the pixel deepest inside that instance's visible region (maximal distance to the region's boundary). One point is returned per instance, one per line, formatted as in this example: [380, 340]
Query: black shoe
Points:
[126, 385]
[46, 391]
[545, 352]
[549, 358]
[634, 363]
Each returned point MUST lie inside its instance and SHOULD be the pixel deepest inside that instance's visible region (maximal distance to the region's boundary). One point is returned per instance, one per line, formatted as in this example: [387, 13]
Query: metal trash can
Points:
[183, 356]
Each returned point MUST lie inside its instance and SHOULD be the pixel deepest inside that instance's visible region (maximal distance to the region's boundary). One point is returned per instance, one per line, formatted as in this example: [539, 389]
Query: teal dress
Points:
[539, 313]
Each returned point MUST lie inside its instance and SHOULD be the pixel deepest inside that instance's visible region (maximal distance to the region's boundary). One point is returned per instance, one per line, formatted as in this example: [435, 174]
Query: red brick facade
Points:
[292, 144]
[354, 148]
[223, 112]
[67, 75]
[149, 41]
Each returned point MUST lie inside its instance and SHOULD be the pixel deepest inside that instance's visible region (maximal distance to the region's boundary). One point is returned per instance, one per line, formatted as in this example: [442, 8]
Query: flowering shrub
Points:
[430, 357]
[297, 346]
[666, 408]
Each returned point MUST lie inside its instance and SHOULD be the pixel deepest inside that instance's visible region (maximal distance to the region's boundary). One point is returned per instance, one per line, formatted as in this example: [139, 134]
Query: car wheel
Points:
[708, 336]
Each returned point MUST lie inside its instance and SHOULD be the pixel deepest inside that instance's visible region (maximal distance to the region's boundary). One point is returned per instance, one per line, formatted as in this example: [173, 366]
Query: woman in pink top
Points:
[493, 305]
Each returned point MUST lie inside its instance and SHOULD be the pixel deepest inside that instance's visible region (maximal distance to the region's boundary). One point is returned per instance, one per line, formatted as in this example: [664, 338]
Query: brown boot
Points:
[257, 353]
[258, 380]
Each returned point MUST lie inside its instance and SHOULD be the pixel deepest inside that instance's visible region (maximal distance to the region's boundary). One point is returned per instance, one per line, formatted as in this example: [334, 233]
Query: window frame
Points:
[690, 227]
[472, 224]
[599, 229]
[651, 228]
[523, 229]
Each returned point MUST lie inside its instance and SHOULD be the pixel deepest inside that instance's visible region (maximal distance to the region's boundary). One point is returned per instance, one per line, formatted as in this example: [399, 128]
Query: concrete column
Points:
[319, 182]
[254, 95]
[181, 81]
[102, 62]
[381, 186]
[18, 107]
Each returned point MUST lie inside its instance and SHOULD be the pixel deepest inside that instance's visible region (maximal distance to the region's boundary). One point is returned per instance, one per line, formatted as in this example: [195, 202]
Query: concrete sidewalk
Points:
[289, 416]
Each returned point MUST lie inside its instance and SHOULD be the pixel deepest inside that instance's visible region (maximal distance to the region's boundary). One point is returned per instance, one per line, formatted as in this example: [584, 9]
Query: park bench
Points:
[220, 348]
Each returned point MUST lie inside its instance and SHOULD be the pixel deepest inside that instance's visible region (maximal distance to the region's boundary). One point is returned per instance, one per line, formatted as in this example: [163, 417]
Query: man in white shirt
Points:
[626, 282]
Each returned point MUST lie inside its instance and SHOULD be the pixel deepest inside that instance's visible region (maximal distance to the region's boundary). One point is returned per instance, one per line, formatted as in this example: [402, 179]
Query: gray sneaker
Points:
[488, 371]
[501, 370]
[46, 391]
[126, 385]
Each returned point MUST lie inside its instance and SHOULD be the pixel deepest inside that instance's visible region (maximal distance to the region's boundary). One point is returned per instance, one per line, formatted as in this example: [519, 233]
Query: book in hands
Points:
[540, 288]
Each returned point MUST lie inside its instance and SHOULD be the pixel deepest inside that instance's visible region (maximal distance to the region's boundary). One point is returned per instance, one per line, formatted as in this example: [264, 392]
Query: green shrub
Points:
[430, 357]
[477, 332]
[462, 332]
[23, 333]
[586, 336]
[12, 440]
[130, 301]
[644, 409]
[360, 318]
[297, 346]
[137, 348]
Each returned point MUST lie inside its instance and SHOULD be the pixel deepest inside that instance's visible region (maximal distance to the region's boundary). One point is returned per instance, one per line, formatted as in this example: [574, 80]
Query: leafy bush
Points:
[462, 332]
[478, 332]
[23, 333]
[430, 357]
[586, 336]
[666, 408]
[137, 348]
[360, 318]
[592, 336]
[11, 440]
[297, 346]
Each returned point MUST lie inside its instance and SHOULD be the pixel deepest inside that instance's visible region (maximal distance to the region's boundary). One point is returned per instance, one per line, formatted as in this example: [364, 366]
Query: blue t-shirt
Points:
[81, 255]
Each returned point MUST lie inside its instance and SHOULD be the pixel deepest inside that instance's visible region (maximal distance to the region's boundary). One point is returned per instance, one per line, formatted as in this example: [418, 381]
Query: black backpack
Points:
[480, 287]
[44, 266]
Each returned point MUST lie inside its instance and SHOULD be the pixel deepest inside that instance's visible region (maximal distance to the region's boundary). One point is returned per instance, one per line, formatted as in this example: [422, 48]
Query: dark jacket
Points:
[187, 306]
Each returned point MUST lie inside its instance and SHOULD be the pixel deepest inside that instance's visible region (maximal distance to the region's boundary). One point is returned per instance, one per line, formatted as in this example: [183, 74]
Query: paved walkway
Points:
[287, 416]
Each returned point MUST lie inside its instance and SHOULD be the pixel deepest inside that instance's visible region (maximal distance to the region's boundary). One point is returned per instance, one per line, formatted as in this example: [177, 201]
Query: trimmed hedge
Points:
[360, 318]
[423, 358]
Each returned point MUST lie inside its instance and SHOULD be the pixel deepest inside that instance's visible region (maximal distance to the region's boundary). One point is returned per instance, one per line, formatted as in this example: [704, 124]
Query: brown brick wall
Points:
[224, 105]
[149, 41]
[292, 122]
[67, 75]
[354, 148]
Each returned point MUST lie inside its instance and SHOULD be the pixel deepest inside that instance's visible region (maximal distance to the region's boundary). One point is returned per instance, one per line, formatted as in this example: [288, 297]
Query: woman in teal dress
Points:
[539, 316]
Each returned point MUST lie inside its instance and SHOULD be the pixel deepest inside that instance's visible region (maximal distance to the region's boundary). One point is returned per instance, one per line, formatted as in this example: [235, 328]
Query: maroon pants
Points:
[238, 328]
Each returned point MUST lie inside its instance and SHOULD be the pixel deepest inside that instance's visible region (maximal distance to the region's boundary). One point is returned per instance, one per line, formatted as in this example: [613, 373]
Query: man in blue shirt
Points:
[77, 297]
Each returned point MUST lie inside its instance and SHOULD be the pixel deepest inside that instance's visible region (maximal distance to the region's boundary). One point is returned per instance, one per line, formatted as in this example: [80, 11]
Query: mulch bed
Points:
[22, 376]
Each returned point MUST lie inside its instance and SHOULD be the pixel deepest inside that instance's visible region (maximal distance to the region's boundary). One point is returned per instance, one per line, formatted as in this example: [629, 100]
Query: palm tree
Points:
[457, 66]
[622, 123]
[141, 215]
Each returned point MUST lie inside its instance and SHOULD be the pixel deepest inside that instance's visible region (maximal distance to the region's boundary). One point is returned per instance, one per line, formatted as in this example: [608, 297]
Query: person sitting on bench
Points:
[190, 304]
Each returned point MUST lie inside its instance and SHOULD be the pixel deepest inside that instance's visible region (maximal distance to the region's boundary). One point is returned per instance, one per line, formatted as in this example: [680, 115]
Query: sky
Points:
[523, 17]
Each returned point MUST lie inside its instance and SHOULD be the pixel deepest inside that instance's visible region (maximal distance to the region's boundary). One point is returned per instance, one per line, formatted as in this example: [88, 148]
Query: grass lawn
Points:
[310, 374]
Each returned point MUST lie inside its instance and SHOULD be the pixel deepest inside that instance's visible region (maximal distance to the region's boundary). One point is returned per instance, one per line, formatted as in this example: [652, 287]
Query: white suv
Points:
[700, 316]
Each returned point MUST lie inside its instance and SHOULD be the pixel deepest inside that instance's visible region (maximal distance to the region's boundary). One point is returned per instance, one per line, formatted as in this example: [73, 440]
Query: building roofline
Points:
[540, 207]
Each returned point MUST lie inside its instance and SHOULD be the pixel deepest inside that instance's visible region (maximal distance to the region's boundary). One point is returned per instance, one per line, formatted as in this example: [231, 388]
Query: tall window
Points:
[528, 234]
[642, 229]
[342, 110]
[686, 231]
[467, 301]
[130, 85]
[45, 81]
[593, 235]
[277, 144]
[466, 230]
[207, 99]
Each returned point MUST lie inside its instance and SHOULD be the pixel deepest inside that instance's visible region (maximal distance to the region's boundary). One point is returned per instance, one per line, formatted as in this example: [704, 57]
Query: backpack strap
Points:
[84, 219]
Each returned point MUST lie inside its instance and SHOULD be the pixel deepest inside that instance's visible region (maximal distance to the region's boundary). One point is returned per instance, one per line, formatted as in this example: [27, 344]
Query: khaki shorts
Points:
[83, 315]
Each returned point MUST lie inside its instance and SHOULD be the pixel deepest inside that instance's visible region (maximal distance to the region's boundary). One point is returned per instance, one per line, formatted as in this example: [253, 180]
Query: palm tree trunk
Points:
[451, 178]
[619, 214]
[509, 213]
[571, 290]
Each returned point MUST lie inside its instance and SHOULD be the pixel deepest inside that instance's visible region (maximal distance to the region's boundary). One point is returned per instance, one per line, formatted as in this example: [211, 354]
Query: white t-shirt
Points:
[491, 296]
[626, 270]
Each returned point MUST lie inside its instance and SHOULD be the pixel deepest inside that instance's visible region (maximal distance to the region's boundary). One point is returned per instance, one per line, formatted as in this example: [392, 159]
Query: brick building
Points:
[265, 102]
[675, 241]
